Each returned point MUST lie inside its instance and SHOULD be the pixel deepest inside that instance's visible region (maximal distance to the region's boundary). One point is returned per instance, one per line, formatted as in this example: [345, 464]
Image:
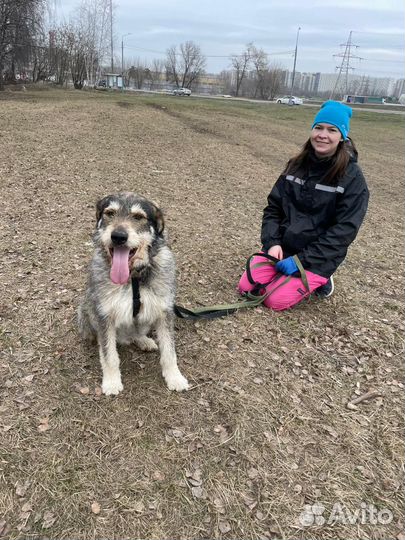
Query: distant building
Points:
[363, 99]
[113, 80]
[399, 88]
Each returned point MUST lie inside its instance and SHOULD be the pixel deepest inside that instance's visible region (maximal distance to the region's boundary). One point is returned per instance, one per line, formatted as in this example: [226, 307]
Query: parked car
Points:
[290, 100]
[182, 92]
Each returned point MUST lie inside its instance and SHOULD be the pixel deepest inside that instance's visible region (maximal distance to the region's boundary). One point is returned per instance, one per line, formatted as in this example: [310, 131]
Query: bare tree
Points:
[137, 72]
[225, 80]
[59, 53]
[171, 66]
[92, 23]
[155, 72]
[185, 68]
[192, 63]
[240, 64]
[275, 80]
[20, 22]
[40, 60]
[260, 63]
[78, 48]
[268, 77]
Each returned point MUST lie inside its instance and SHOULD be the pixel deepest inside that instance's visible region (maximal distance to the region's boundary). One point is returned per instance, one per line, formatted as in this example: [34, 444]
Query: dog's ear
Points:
[100, 205]
[160, 221]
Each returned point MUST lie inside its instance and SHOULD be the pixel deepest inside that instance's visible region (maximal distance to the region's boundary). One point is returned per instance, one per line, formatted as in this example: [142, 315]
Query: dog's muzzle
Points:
[119, 237]
[124, 258]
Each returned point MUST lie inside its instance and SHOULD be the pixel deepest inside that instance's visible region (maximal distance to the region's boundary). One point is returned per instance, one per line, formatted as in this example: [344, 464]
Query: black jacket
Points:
[313, 219]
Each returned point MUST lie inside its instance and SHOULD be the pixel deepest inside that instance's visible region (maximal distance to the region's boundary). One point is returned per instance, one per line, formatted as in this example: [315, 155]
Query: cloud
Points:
[222, 28]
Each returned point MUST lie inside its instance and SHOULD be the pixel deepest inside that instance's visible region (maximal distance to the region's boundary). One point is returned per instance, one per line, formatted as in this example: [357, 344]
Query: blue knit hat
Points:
[337, 114]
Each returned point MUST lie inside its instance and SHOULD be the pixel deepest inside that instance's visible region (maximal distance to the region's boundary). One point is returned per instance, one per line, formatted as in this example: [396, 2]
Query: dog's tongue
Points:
[120, 268]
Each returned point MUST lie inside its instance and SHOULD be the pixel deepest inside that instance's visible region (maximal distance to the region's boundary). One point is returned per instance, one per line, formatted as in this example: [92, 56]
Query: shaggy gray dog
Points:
[131, 287]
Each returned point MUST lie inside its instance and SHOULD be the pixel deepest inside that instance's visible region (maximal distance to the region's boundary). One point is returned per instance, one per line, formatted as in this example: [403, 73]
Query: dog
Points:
[131, 288]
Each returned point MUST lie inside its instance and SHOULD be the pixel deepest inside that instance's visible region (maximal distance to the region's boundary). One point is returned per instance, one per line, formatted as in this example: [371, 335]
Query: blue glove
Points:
[287, 266]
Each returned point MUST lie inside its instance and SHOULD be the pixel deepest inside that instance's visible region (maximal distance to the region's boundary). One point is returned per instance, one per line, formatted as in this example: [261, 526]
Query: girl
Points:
[314, 213]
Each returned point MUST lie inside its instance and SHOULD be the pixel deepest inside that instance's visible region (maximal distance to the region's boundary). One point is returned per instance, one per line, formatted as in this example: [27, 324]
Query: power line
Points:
[385, 61]
[345, 66]
[372, 33]
[206, 55]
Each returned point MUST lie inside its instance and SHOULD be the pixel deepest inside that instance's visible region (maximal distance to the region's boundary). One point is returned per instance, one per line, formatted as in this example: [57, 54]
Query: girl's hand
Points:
[276, 251]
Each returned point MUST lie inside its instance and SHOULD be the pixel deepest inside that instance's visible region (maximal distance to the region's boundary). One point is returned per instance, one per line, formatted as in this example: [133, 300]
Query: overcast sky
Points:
[222, 28]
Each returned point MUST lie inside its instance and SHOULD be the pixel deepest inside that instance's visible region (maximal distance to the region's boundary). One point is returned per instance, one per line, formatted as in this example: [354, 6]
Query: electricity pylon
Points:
[345, 66]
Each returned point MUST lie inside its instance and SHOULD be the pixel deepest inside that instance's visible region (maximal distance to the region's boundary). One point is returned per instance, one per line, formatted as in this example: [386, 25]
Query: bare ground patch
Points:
[265, 429]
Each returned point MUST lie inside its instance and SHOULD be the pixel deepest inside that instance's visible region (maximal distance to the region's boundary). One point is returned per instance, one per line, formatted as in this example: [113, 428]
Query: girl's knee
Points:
[277, 304]
[244, 284]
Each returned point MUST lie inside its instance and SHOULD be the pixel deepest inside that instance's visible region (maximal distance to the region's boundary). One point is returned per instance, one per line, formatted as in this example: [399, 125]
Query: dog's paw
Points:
[112, 386]
[146, 344]
[176, 381]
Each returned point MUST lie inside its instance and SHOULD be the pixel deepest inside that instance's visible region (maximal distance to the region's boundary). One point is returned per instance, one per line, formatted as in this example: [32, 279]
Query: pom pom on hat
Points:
[337, 114]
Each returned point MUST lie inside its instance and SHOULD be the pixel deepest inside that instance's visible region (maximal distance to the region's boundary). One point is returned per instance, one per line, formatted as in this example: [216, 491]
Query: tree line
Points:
[32, 48]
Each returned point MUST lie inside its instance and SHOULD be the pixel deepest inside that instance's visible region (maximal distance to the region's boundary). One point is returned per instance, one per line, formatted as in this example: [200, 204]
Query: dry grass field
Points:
[265, 433]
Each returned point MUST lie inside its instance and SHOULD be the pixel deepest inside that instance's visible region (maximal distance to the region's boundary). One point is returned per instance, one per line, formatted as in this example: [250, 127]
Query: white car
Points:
[182, 92]
[290, 100]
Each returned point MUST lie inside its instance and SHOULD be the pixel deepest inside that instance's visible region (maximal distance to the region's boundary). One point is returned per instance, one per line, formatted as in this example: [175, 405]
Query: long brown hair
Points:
[338, 163]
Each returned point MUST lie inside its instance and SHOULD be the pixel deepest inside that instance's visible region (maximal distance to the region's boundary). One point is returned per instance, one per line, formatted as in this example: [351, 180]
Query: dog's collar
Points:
[136, 297]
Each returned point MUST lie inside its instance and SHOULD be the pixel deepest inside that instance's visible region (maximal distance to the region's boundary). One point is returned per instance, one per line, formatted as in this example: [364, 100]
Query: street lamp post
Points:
[295, 61]
[122, 59]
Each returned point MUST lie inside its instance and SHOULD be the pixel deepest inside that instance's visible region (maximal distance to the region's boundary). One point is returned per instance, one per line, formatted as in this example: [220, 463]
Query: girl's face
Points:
[325, 139]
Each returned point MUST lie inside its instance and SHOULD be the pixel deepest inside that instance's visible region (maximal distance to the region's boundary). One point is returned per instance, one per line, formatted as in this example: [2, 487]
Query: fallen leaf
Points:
[139, 507]
[21, 488]
[253, 473]
[195, 475]
[95, 508]
[176, 433]
[158, 476]
[44, 425]
[223, 433]
[194, 445]
[194, 483]
[249, 501]
[27, 507]
[224, 526]
[219, 505]
[48, 520]
[198, 492]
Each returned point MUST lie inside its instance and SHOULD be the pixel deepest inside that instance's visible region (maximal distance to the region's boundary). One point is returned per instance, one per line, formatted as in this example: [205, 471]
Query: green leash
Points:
[251, 299]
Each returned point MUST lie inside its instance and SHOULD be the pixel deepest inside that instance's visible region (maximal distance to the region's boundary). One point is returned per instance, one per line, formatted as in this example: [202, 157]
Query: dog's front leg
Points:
[110, 361]
[168, 359]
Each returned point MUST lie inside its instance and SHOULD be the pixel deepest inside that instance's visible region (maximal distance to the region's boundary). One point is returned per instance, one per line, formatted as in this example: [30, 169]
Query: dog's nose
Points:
[119, 237]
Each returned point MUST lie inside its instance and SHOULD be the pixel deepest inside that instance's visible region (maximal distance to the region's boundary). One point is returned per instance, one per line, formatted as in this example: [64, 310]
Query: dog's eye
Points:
[109, 213]
[138, 217]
